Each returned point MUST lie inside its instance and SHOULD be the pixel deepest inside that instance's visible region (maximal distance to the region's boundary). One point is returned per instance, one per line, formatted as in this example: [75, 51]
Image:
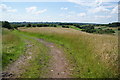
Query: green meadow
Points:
[91, 55]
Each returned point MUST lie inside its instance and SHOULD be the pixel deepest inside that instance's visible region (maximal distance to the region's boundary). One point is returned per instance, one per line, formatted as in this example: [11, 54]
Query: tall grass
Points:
[37, 66]
[12, 47]
[92, 55]
[16, 44]
[0, 49]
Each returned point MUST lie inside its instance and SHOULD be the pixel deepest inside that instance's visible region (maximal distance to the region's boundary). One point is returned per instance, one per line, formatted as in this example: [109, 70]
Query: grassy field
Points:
[0, 49]
[12, 47]
[16, 44]
[91, 55]
[37, 66]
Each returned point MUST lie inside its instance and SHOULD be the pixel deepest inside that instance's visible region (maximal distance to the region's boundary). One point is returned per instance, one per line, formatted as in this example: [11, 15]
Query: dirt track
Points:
[59, 67]
[15, 69]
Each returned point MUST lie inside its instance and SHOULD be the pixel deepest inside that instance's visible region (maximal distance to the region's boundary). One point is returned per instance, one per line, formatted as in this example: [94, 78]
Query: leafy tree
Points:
[28, 25]
[43, 25]
[115, 24]
[109, 31]
[33, 25]
[64, 26]
[65, 23]
[6, 24]
[87, 27]
[38, 25]
[119, 28]
[22, 25]
[55, 26]
[76, 25]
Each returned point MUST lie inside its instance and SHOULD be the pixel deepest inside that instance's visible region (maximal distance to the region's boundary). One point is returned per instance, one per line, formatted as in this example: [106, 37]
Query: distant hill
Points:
[65, 23]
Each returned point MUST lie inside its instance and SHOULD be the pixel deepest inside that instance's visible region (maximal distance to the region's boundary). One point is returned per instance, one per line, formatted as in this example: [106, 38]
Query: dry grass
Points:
[15, 44]
[12, 47]
[103, 48]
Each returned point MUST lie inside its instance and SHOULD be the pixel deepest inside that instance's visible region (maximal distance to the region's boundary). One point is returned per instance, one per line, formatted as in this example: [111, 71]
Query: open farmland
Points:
[64, 39]
[90, 55]
[59, 50]
[21, 55]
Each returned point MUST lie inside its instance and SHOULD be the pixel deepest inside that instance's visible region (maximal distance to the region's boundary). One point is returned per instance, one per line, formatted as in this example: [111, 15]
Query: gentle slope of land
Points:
[74, 53]
[93, 55]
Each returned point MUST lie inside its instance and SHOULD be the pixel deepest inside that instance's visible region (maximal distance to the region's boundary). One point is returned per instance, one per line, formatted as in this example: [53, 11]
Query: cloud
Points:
[109, 6]
[91, 3]
[110, 0]
[99, 9]
[78, 2]
[6, 8]
[31, 9]
[102, 16]
[115, 10]
[65, 8]
[82, 14]
[55, 0]
[41, 11]
[34, 10]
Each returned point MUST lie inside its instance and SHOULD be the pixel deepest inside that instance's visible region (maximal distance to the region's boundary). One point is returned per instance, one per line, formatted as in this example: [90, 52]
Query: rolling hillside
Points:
[91, 55]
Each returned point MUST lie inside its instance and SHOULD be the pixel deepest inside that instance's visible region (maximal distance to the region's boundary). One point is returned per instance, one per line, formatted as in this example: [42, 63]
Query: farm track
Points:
[15, 69]
[59, 67]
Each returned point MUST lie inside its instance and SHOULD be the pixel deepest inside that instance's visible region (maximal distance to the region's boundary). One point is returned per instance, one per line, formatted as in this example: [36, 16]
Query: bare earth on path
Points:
[59, 65]
[15, 69]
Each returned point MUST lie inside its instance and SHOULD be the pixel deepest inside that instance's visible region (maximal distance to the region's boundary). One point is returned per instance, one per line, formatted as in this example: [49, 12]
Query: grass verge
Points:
[37, 65]
[12, 47]
[16, 44]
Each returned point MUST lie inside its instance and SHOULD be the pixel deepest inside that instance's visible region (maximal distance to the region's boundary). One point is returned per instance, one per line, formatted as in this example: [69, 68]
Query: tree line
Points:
[90, 28]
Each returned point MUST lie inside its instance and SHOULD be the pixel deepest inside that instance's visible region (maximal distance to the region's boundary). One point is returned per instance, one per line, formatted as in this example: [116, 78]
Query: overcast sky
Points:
[83, 11]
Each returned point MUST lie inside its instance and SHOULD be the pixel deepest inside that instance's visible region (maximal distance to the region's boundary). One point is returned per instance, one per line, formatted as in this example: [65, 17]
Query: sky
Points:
[80, 11]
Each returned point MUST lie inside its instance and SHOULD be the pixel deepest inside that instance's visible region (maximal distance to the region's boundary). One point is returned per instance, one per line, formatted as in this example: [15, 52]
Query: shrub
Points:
[64, 26]
[7, 25]
[28, 25]
[109, 31]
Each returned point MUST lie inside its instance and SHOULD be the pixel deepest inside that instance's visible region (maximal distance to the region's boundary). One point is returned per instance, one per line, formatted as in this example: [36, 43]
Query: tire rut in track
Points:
[15, 69]
[59, 65]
